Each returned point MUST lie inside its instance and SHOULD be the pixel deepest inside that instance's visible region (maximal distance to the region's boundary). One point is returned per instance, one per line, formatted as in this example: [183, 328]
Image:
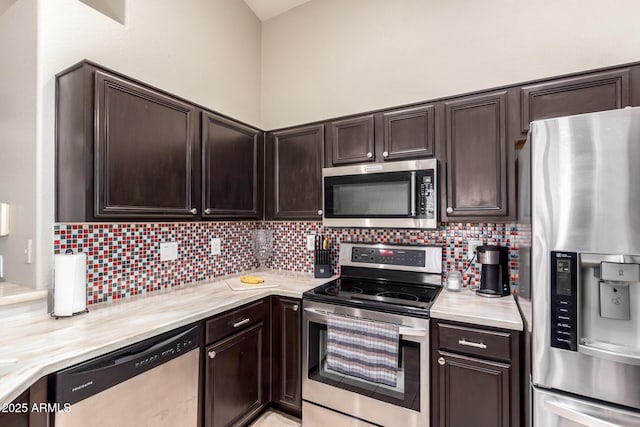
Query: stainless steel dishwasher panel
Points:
[150, 383]
[166, 395]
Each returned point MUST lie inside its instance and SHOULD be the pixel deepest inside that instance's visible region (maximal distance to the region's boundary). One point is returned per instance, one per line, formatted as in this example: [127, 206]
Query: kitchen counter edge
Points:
[467, 307]
[68, 346]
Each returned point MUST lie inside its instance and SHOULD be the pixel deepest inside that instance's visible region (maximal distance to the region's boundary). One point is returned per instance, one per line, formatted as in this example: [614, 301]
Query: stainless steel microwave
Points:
[389, 195]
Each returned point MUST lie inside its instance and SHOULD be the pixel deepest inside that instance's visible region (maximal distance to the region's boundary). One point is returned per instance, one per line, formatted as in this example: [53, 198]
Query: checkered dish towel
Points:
[363, 348]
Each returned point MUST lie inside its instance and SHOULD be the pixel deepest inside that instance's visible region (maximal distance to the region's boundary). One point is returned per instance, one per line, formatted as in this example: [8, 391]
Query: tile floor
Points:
[273, 418]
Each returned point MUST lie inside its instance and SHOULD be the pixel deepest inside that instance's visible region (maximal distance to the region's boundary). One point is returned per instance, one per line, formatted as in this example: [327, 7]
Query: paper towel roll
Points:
[70, 285]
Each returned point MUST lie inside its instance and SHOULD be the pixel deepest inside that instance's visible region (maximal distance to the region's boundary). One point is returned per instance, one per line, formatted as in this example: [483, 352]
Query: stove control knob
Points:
[441, 361]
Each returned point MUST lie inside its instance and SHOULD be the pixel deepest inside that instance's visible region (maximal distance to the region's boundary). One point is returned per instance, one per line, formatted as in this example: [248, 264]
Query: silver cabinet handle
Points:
[319, 211]
[441, 361]
[212, 354]
[194, 211]
[369, 155]
[242, 322]
[208, 211]
[385, 154]
[449, 209]
[295, 307]
[472, 344]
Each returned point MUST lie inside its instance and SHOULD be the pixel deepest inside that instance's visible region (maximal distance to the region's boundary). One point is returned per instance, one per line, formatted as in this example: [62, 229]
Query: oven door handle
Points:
[407, 331]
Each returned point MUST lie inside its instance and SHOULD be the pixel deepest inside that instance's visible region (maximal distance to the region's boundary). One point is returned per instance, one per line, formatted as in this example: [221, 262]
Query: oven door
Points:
[401, 194]
[407, 404]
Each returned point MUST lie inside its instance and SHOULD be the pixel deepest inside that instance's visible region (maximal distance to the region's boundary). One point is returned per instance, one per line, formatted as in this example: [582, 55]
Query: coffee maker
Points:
[494, 276]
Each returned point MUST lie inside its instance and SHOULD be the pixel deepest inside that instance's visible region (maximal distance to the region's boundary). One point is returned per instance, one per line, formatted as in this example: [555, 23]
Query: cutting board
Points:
[236, 285]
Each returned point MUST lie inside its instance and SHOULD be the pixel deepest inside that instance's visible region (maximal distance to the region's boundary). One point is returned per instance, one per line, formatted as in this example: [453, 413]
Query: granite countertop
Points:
[34, 347]
[465, 306]
[16, 294]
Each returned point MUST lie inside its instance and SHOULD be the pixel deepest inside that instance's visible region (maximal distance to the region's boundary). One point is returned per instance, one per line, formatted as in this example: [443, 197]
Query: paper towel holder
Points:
[76, 303]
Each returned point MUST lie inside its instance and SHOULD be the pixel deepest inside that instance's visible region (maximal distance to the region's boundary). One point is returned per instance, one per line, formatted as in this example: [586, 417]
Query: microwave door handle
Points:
[572, 414]
[413, 194]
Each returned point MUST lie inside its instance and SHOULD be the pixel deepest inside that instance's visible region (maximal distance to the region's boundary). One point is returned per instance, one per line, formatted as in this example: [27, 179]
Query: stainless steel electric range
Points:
[383, 284]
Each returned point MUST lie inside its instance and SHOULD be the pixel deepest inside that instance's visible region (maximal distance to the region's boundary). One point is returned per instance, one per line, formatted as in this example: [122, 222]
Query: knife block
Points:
[321, 265]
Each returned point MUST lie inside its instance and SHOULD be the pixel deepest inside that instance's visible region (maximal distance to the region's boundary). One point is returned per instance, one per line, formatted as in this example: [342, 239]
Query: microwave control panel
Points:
[564, 300]
[426, 195]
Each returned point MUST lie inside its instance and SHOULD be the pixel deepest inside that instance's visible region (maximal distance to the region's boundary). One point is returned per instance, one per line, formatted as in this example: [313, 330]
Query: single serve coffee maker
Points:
[494, 276]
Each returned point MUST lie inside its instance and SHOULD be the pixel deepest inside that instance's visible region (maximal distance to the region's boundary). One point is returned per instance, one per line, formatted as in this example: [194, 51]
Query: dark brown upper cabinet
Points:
[575, 95]
[294, 173]
[475, 139]
[232, 168]
[123, 150]
[408, 133]
[403, 134]
[351, 140]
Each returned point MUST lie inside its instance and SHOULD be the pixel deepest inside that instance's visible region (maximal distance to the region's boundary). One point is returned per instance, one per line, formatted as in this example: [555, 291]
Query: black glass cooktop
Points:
[398, 297]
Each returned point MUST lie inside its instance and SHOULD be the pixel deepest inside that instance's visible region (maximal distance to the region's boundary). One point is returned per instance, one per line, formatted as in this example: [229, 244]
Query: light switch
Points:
[311, 242]
[216, 246]
[168, 251]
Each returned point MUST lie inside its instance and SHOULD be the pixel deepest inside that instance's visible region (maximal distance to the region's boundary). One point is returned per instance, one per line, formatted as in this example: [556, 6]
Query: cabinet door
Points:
[145, 148]
[231, 169]
[237, 371]
[472, 392]
[286, 383]
[351, 140]
[476, 157]
[575, 95]
[408, 133]
[295, 173]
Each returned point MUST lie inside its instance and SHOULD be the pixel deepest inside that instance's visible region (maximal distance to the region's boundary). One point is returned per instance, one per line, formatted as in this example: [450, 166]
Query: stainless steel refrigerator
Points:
[584, 308]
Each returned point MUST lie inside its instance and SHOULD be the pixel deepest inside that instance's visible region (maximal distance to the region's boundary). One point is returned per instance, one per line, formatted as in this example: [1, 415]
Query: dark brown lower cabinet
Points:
[475, 376]
[286, 386]
[472, 392]
[237, 367]
[19, 412]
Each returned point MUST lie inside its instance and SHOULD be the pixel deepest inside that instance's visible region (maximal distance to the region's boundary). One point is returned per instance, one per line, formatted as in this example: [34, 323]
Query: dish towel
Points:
[363, 348]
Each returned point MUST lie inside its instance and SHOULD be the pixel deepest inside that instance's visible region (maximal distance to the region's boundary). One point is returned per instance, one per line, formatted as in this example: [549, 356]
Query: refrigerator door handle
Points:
[569, 413]
[609, 352]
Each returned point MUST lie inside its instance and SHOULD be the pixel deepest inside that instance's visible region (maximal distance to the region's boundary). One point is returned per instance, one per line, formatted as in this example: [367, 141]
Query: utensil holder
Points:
[321, 264]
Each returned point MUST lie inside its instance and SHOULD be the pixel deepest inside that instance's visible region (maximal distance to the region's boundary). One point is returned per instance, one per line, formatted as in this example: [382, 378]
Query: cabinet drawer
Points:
[481, 342]
[235, 320]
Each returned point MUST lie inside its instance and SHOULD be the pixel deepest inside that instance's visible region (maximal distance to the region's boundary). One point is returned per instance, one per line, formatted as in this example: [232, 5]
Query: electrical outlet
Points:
[216, 246]
[311, 242]
[472, 245]
[168, 251]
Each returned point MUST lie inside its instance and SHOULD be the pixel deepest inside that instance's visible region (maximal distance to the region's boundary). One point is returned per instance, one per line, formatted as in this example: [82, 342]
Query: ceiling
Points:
[267, 9]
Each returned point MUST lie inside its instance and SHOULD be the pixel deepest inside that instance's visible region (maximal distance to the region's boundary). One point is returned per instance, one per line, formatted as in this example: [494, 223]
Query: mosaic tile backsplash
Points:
[124, 259]
[290, 250]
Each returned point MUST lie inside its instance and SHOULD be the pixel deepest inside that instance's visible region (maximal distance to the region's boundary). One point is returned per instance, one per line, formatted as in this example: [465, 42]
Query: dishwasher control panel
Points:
[167, 353]
[78, 382]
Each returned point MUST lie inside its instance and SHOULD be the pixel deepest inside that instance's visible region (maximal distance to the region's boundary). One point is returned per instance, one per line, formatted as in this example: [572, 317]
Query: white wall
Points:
[207, 51]
[18, 135]
[333, 57]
